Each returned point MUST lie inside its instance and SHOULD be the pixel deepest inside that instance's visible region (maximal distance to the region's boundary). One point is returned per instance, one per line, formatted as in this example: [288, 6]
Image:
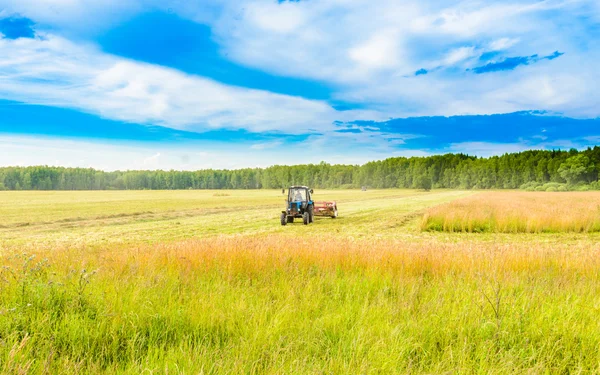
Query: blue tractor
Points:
[299, 204]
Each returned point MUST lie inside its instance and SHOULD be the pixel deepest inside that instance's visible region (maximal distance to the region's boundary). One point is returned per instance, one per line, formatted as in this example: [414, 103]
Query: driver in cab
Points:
[298, 196]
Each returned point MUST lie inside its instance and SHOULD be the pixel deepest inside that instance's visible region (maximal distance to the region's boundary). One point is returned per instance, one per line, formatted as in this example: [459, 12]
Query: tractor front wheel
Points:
[290, 219]
[306, 218]
[283, 219]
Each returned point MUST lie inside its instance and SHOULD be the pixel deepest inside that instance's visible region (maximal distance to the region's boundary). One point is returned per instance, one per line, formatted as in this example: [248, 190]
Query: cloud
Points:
[503, 43]
[26, 151]
[365, 26]
[282, 18]
[351, 143]
[338, 41]
[565, 86]
[458, 55]
[54, 71]
[370, 52]
[76, 17]
[379, 51]
[266, 145]
[152, 160]
[367, 52]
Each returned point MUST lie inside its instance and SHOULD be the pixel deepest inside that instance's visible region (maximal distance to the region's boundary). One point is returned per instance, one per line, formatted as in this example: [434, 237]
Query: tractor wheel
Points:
[290, 219]
[311, 215]
[335, 213]
[283, 219]
[306, 218]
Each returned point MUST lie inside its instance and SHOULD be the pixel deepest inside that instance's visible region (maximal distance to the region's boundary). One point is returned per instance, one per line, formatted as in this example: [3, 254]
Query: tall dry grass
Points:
[278, 304]
[517, 212]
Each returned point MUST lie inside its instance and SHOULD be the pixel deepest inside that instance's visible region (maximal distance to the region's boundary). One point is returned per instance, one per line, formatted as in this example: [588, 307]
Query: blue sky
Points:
[151, 84]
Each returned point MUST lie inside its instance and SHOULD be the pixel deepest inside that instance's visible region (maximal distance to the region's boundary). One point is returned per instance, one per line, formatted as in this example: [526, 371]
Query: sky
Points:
[174, 84]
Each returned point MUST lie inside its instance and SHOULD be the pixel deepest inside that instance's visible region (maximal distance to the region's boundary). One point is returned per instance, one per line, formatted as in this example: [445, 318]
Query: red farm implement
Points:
[328, 209]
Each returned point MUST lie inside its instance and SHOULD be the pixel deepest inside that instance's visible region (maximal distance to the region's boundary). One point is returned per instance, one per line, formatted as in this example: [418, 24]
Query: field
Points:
[209, 282]
[516, 212]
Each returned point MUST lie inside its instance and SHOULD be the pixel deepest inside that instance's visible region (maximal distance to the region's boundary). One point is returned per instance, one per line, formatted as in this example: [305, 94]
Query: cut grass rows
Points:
[109, 219]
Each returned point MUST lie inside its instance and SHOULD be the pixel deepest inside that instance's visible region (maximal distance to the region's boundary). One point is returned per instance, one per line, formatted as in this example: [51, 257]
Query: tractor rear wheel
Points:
[283, 219]
[311, 214]
[306, 218]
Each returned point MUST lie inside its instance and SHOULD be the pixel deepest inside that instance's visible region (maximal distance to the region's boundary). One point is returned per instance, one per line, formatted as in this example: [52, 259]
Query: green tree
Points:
[26, 181]
[423, 182]
[444, 171]
[576, 169]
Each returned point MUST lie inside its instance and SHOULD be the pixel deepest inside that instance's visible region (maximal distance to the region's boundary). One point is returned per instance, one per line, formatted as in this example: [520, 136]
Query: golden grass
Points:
[264, 304]
[517, 212]
[255, 255]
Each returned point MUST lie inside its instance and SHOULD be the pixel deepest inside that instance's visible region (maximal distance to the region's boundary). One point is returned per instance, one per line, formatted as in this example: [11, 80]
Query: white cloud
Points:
[54, 71]
[458, 55]
[75, 16]
[266, 145]
[379, 51]
[368, 51]
[26, 150]
[281, 18]
[503, 43]
[152, 160]
[350, 41]
[336, 42]
[468, 19]
[547, 85]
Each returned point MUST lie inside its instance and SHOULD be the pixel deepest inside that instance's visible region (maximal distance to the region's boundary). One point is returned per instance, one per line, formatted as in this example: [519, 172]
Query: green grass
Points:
[229, 290]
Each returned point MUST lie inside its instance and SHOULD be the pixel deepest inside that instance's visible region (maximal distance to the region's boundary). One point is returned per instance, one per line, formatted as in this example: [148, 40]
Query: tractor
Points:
[299, 204]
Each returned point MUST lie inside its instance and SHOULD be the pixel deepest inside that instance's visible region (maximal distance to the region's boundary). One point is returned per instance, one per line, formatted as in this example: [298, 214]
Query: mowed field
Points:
[209, 282]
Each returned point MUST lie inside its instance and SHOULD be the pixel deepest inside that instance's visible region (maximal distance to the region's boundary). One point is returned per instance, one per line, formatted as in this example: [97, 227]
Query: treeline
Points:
[529, 169]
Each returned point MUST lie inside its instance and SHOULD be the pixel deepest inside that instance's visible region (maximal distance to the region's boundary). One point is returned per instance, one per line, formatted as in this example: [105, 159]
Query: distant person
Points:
[282, 191]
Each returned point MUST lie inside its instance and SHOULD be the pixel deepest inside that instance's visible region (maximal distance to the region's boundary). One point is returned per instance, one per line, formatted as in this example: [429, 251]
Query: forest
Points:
[540, 170]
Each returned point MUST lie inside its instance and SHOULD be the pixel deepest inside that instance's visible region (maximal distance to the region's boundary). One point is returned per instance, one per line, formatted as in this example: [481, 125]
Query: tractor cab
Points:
[299, 204]
[299, 194]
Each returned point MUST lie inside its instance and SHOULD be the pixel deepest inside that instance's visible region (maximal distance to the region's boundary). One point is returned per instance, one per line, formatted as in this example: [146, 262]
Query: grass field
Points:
[517, 212]
[210, 282]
